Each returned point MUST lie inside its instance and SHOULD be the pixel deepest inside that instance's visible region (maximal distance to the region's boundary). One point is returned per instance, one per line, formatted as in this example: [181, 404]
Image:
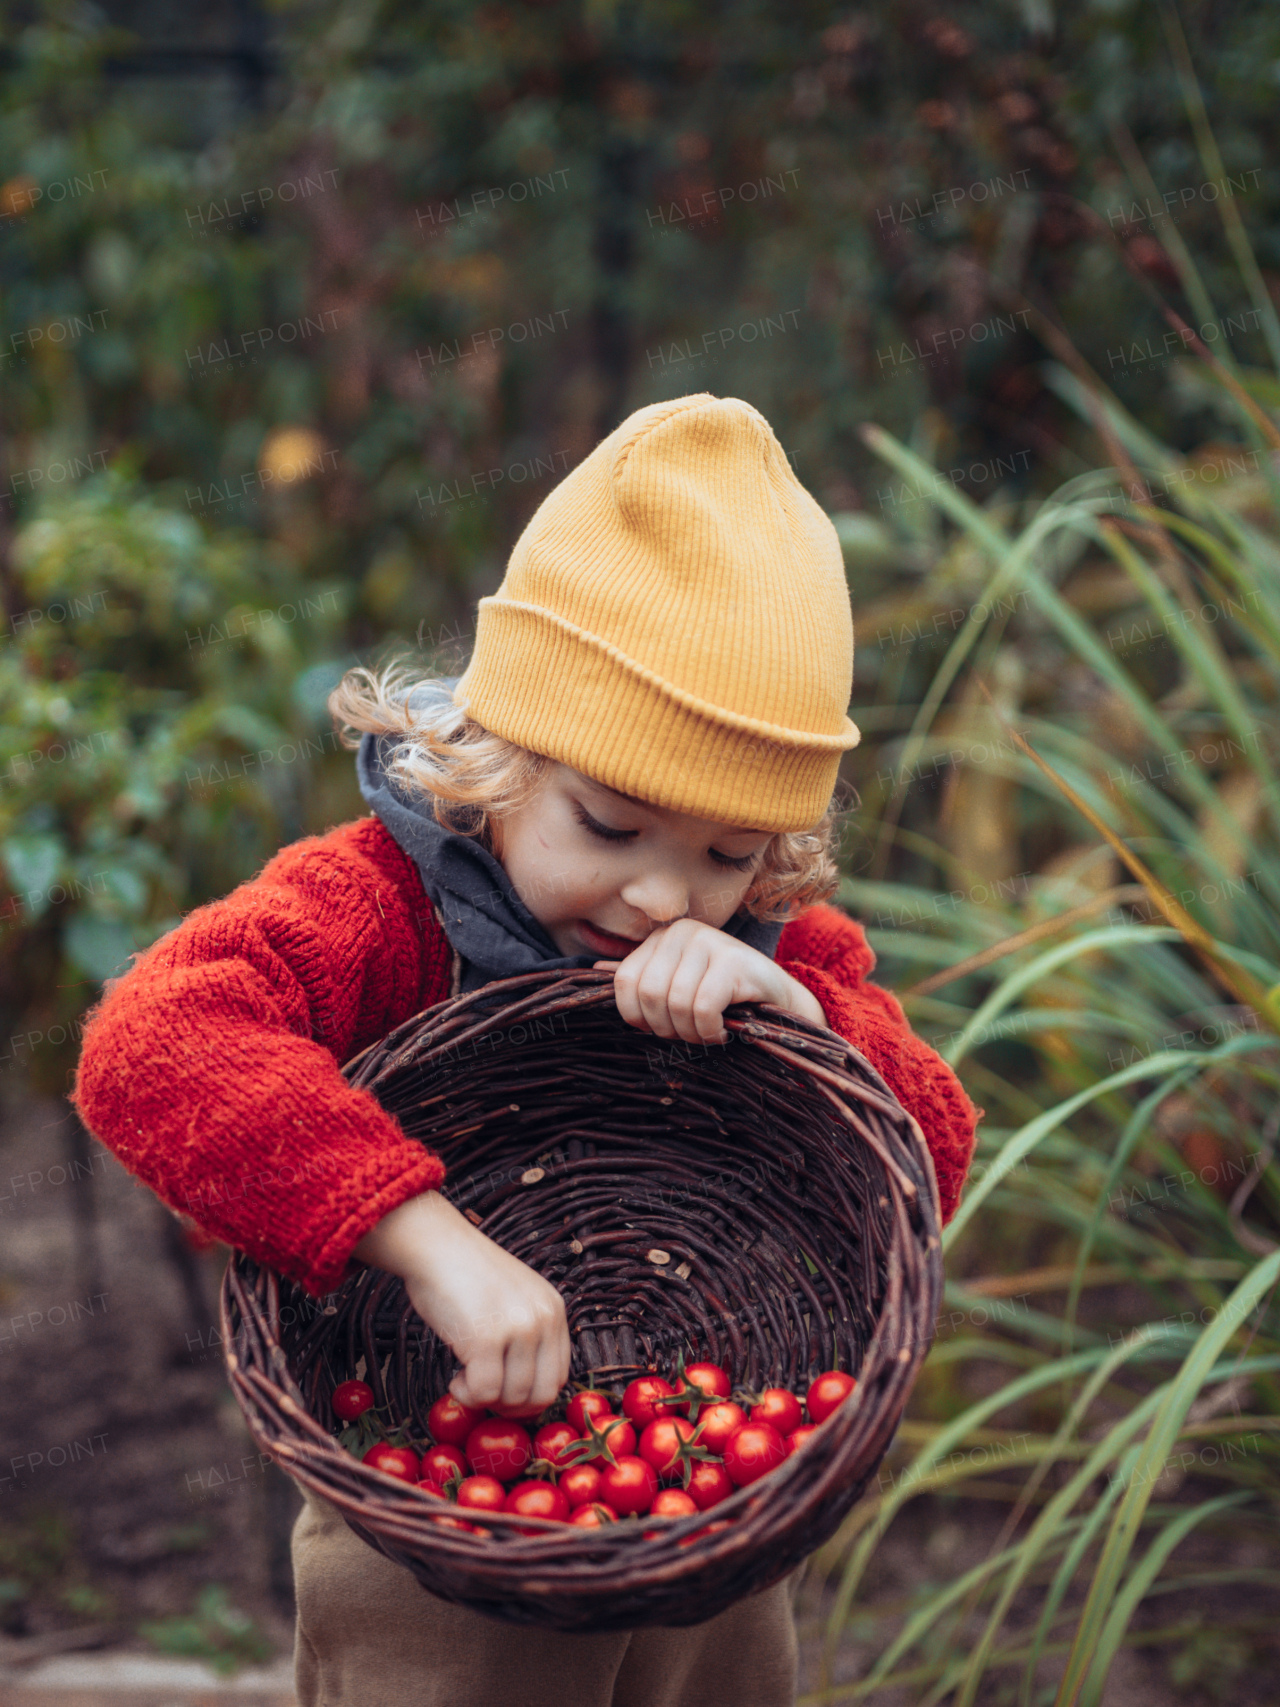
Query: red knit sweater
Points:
[211, 1068]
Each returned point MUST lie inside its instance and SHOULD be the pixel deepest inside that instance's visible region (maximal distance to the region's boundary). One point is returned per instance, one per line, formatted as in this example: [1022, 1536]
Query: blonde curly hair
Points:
[474, 776]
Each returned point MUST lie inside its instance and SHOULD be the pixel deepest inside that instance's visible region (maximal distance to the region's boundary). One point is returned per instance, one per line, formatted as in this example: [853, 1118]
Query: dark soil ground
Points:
[129, 1484]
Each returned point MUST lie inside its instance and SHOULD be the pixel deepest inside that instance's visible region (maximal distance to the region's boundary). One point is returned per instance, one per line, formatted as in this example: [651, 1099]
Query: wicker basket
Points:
[765, 1203]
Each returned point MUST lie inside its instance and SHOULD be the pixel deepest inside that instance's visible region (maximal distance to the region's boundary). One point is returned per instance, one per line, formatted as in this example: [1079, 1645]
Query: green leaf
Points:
[100, 947]
[33, 864]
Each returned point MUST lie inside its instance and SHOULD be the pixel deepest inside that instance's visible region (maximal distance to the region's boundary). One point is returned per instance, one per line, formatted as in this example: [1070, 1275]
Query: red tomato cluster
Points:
[673, 1451]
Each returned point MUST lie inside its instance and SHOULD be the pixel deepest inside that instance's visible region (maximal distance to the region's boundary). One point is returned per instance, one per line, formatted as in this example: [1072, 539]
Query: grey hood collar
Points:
[484, 919]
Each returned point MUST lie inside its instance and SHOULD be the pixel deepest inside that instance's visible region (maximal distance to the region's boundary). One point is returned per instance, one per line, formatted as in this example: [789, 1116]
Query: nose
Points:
[660, 896]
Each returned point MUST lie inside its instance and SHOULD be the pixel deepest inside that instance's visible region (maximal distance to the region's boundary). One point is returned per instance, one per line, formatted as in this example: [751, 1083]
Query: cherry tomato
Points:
[398, 1461]
[442, 1464]
[538, 1499]
[352, 1399]
[451, 1422]
[753, 1450]
[800, 1437]
[704, 1382]
[708, 1484]
[551, 1440]
[592, 1403]
[614, 1434]
[594, 1516]
[717, 1422]
[434, 1489]
[828, 1393]
[660, 1444]
[580, 1484]
[640, 1402]
[780, 1408]
[516, 1413]
[672, 1502]
[629, 1485]
[482, 1493]
[499, 1448]
[457, 1523]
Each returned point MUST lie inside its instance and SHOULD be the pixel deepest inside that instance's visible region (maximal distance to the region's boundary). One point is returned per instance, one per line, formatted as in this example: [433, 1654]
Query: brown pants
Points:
[369, 1635]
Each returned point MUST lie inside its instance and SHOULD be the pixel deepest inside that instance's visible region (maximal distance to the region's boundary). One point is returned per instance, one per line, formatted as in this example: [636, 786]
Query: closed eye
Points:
[602, 830]
[743, 862]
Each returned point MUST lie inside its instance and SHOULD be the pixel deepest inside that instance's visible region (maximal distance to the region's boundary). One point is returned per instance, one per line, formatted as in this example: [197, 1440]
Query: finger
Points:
[480, 1383]
[653, 986]
[518, 1371]
[551, 1371]
[625, 979]
[693, 993]
[667, 990]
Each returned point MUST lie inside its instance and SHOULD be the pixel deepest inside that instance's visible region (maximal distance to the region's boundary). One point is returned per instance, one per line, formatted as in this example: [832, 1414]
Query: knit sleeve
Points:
[828, 953]
[211, 1068]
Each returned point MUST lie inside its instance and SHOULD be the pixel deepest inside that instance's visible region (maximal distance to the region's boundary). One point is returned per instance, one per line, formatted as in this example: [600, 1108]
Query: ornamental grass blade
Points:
[1164, 1431]
[1241, 983]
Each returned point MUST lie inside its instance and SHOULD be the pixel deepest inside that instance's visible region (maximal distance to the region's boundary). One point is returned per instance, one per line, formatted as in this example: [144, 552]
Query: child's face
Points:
[602, 895]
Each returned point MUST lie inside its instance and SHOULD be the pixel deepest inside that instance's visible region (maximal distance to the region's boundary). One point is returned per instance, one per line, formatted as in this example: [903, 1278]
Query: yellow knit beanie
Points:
[674, 622]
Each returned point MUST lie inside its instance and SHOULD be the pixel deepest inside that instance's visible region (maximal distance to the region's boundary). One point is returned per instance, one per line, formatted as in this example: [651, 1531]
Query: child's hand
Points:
[684, 975]
[505, 1323]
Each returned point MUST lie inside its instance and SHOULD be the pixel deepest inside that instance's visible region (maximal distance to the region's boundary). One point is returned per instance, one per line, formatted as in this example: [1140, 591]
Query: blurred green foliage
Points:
[309, 318]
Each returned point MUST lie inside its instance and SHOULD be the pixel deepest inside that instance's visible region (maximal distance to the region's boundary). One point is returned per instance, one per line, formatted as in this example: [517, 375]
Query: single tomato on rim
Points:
[351, 1399]
[716, 1423]
[753, 1450]
[499, 1448]
[642, 1401]
[779, 1407]
[450, 1421]
[398, 1461]
[801, 1437]
[828, 1393]
[629, 1486]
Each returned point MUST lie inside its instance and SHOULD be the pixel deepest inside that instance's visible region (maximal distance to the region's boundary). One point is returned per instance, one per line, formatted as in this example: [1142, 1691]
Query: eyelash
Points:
[743, 863]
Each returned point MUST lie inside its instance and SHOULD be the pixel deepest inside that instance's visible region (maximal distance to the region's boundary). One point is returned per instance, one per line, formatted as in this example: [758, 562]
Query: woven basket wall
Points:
[765, 1203]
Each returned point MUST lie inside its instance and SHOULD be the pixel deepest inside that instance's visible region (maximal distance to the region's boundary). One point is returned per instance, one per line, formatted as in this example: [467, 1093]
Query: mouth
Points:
[604, 943]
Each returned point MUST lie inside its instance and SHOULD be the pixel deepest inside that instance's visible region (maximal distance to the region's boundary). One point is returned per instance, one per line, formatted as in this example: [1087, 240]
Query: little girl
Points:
[634, 772]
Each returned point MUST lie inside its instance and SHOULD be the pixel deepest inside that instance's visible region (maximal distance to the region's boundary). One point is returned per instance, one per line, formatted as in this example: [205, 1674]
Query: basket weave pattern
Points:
[765, 1204]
